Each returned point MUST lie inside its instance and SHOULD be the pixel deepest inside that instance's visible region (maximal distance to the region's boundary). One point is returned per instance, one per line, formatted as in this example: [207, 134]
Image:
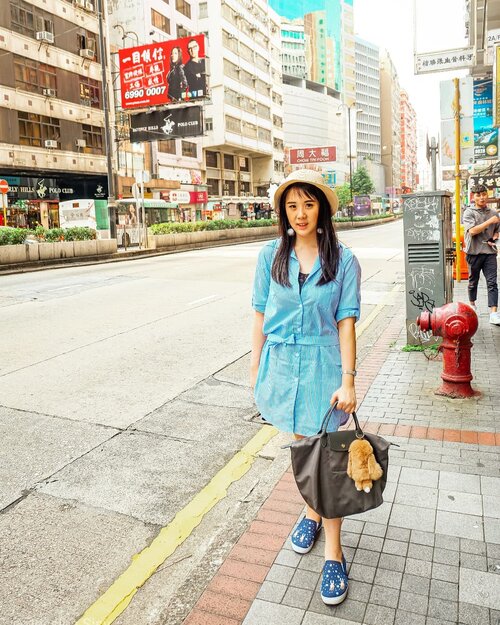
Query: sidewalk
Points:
[430, 555]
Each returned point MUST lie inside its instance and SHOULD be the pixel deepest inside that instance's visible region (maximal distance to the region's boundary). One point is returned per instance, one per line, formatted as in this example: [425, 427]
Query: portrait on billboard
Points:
[163, 73]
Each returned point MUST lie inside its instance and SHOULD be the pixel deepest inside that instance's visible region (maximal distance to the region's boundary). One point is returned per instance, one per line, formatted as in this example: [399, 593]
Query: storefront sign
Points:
[164, 72]
[491, 182]
[443, 61]
[44, 189]
[168, 124]
[198, 197]
[299, 156]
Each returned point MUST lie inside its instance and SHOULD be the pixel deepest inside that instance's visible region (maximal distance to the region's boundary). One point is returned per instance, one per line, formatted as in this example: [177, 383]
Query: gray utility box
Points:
[428, 258]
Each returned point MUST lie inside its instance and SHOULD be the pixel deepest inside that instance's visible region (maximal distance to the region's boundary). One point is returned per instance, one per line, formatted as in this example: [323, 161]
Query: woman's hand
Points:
[346, 398]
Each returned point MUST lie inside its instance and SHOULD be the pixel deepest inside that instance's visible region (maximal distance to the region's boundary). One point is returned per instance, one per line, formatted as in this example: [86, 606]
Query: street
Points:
[123, 391]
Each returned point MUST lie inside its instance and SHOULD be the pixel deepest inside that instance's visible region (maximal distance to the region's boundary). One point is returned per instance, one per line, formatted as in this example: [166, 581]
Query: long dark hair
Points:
[328, 245]
[179, 57]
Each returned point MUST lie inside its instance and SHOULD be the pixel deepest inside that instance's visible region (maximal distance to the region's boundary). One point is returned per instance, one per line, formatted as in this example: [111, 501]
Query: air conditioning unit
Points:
[50, 143]
[45, 36]
[80, 143]
[231, 36]
[79, 3]
[89, 6]
[49, 93]
[87, 53]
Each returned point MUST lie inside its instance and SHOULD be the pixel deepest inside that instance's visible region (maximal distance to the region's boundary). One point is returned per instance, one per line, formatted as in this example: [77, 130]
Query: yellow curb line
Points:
[114, 601]
[374, 313]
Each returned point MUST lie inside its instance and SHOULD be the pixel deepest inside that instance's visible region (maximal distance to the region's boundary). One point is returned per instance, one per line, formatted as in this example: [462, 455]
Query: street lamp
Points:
[349, 108]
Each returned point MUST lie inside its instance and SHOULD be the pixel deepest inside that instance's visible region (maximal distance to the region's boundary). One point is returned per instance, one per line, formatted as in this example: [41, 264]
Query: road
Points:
[114, 409]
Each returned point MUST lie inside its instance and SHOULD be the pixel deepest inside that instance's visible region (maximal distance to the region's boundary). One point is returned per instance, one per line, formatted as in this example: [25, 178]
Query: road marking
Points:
[374, 313]
[203, 299]
[71, 286]
[118, 596]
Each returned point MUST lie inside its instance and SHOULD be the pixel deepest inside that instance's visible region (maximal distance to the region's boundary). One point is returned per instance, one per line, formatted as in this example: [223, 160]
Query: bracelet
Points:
[352, 372]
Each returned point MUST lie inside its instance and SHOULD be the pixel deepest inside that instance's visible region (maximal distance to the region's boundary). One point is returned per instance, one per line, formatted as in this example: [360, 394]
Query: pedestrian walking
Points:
[307, 299]
[482, 229]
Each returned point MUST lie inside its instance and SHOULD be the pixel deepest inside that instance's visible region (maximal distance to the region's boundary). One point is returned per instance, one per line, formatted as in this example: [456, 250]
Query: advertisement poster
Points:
[167, 124]
[163, 73]
[485, 135]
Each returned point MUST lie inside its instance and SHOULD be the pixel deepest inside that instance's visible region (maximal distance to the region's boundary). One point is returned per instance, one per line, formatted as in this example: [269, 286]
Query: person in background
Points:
[482, 228]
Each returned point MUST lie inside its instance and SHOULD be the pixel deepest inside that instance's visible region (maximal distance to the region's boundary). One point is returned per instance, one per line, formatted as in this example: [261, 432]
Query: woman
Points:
[177, 83]
[306, 301]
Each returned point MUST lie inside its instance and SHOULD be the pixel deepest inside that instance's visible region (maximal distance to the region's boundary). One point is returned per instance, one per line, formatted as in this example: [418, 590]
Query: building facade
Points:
[390, 125]
[293, 49]
[408, 144]
[243, 145]
[52, 143]
[368, 101]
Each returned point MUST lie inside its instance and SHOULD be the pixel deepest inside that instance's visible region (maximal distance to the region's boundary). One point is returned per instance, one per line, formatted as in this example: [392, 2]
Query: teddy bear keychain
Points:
[362, 466]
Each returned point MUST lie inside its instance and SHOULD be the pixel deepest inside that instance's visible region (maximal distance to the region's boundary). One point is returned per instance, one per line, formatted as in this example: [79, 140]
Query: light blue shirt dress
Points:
[300, 366]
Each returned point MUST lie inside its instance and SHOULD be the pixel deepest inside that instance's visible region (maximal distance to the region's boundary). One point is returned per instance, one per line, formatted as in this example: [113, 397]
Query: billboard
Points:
[167, 124]
[298, 156]
[161, 73]
[485, 135]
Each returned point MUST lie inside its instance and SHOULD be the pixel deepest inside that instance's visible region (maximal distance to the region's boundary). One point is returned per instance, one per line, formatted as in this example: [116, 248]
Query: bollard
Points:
[456, 323]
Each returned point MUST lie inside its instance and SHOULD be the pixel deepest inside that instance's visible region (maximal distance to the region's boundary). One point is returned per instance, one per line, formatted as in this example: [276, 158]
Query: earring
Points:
[290, 232]
[319, 230]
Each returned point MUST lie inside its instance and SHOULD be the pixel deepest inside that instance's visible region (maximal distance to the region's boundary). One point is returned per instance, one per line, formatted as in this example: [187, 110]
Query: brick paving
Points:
[430, 555]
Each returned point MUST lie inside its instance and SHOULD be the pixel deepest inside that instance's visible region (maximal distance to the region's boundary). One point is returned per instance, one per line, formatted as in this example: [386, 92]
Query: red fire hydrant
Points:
[456, 323]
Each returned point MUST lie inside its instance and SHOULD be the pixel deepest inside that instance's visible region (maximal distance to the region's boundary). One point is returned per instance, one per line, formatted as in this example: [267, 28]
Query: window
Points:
[90, 92]
[93, 139]
[244, 187]
[229, 161]
[212, 159]
[183, 7]
[189, 149]
[233, 125]
[167, 146]
[34, 130]
[244, 163]
[160, 21]
[229, 187]
[213, 186]
[278, 166]
[87, 41]
[33, 76]
[203, 10]
[209, 124]
[27, 19]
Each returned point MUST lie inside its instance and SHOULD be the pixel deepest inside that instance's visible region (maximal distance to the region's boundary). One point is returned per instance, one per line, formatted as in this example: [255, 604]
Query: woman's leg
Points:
[333, 547]
[310, 514]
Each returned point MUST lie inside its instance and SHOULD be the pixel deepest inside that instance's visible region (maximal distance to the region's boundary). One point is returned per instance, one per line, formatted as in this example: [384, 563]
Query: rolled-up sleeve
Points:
[262, 279]
[350, 294]
[468, 220]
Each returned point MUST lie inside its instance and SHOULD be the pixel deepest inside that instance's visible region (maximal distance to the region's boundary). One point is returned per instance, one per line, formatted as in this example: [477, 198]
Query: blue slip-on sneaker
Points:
[335, 583]
[305, 534]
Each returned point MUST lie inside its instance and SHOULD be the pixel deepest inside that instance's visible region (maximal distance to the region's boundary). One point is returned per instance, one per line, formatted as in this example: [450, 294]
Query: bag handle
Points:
[326, 420]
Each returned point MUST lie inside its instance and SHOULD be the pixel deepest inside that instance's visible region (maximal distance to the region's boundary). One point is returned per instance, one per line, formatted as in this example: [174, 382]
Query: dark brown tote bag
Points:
[319, 465]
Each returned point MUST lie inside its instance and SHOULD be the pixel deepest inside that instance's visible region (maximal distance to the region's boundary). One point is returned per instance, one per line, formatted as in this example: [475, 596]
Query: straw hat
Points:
[306, 176]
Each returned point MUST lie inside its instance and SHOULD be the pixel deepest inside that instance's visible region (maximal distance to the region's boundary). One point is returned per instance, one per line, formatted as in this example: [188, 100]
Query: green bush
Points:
[13, 236]
[364, 218]
[196, 226]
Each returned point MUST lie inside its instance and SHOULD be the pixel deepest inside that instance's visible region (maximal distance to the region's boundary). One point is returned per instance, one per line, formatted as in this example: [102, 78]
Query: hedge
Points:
[219, 224]
[16, 236]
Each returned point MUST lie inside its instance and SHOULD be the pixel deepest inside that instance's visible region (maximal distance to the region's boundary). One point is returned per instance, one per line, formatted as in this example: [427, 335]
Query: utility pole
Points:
[107, 126]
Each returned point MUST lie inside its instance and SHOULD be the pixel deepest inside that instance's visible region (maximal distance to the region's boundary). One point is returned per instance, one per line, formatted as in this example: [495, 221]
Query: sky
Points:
[440, 25]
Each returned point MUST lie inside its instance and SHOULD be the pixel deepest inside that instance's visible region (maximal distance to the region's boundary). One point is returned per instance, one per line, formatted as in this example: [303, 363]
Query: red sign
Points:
[4, 186]
[299, 156]
[198, 197]
[164, 72]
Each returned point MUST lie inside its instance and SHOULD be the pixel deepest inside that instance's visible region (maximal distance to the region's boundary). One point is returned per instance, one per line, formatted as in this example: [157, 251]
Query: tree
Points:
[344, 194]
[362, 183]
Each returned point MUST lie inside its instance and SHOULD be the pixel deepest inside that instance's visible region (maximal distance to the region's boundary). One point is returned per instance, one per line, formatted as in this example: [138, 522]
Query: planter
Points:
[11, 254]
[85, 248]
[107, 246]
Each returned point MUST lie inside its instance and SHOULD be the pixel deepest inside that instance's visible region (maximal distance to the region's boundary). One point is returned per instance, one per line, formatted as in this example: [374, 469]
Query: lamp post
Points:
[349, 108]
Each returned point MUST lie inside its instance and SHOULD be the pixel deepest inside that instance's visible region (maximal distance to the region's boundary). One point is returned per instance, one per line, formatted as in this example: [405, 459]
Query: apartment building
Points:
[390, 117]
[408, 144]
[293, 48]
[243, 145]
[368, 100]
[171, 163]
[52, 144]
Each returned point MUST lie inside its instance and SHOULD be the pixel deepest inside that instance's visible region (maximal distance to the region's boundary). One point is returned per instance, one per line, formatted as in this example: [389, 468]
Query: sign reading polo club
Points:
[167, 124]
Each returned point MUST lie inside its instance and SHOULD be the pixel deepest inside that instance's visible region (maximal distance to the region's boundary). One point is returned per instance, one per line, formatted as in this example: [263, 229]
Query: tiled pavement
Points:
[430, 555]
